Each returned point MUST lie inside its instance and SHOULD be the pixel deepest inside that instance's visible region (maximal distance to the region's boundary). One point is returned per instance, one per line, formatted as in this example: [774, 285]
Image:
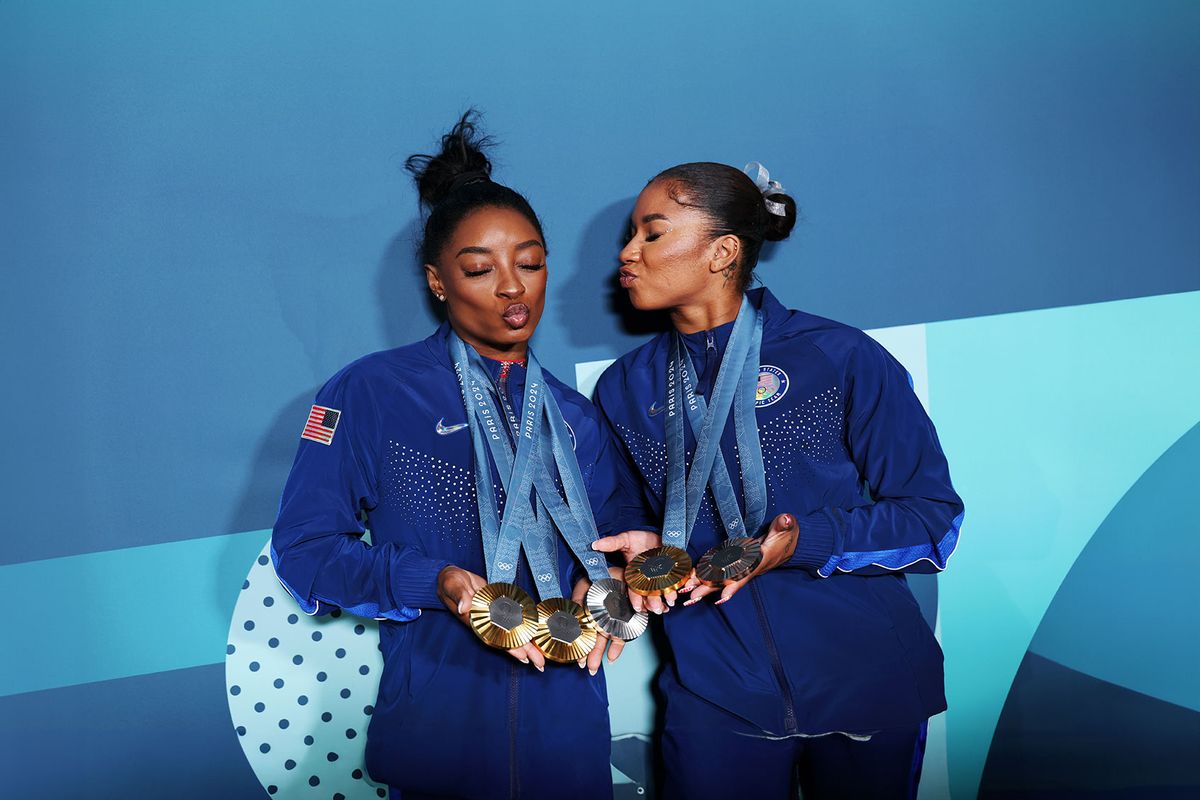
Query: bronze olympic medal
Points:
[608, 603]
[658, 570]
[731, 560]
[565, 630]
[503, 615]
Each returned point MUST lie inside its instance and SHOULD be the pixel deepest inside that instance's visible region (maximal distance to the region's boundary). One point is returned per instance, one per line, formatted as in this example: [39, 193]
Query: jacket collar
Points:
[439, 347]
[761, 298]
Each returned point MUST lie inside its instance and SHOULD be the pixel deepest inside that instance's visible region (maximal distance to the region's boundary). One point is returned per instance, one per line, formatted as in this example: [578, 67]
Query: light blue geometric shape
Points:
[587, 373]
[1126, 612]
[119, 613]
[906, 343]
[1047, 418]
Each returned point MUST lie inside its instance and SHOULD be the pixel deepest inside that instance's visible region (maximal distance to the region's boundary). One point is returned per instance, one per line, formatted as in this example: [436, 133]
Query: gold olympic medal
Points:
[658, 570]
[565, 630]
[731, 560]
[608, 603]
[503, 615]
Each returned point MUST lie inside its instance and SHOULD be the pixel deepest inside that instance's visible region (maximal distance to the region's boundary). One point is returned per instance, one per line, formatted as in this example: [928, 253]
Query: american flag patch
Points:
[322, 422]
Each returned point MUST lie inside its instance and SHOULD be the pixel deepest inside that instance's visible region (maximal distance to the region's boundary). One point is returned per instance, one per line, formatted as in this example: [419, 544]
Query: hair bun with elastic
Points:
[461, 162]
[779, 206]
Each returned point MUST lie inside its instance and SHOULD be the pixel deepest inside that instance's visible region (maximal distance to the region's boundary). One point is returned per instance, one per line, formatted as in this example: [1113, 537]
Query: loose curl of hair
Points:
[456, 182]
[733, 205]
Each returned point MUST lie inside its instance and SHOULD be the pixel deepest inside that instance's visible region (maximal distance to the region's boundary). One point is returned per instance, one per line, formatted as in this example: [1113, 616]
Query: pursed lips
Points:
[516, 315]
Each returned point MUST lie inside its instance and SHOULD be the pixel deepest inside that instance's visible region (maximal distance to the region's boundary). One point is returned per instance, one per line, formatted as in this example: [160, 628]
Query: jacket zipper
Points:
[711, 359]
[789, 707]
[514, 781]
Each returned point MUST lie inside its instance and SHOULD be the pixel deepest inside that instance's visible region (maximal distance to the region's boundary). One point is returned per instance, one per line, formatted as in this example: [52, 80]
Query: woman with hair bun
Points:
[424, 444]
[780, 478]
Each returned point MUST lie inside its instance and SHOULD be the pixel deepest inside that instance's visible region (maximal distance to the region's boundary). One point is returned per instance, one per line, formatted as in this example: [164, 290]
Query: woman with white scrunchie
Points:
[795, 478]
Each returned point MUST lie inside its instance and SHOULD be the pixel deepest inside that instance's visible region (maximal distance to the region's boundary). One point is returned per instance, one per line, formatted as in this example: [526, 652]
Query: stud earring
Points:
[441, 297]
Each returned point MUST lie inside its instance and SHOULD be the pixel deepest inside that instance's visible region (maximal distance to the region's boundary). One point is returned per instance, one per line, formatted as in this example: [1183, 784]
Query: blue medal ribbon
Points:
[734, 388]
[534, 465]
[574, 517]
[503, 538]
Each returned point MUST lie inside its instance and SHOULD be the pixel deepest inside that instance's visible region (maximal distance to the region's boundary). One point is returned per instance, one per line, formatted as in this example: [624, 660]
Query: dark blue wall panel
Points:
[160, 735]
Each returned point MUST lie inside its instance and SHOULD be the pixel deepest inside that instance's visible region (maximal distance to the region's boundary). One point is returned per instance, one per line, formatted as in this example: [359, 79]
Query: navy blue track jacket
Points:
[834, 640]
[400, 459]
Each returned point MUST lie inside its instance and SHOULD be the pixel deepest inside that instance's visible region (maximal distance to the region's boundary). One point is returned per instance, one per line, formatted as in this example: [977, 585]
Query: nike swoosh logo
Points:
[655, 409]
[446, 430]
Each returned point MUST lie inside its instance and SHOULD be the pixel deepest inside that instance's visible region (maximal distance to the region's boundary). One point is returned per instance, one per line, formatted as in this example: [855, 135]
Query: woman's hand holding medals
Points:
[614, 644]
[775, 548]
[457, 588]
[725, 568]
[630, 545]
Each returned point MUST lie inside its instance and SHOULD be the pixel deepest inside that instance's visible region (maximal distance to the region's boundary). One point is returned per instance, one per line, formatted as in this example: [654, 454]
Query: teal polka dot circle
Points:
[295, 686]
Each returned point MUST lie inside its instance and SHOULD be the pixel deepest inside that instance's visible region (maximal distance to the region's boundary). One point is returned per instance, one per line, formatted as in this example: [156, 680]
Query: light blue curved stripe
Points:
[121, 613]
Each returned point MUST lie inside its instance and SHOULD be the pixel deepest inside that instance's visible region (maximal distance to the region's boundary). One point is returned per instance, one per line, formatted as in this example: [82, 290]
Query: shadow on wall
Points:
[613, 324]
[407, 313]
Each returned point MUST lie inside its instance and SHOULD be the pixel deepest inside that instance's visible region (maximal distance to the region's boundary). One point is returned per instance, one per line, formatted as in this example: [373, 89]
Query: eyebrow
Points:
[651, 217]
[487, 251]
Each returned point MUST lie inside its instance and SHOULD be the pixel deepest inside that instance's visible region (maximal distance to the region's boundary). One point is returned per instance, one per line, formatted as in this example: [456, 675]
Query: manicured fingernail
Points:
[722, 600]
[540, 668]
[671, 602]
[689, 602]
[582, 664]
[524, 660]
[593, 671]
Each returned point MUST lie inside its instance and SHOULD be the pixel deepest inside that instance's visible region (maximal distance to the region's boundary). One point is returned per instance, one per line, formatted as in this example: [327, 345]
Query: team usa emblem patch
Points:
[321, 424]
[772, 386]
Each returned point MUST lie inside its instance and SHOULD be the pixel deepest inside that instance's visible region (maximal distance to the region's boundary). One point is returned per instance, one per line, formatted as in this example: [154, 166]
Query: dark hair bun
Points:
[778, 228]
[456, 182]
[461, 162]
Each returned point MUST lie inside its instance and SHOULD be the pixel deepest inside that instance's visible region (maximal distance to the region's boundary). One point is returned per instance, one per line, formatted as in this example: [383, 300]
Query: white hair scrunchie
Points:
[762, 179]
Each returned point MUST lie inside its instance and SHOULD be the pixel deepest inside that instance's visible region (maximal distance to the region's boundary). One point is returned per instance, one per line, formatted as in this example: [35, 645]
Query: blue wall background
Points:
[204, 216]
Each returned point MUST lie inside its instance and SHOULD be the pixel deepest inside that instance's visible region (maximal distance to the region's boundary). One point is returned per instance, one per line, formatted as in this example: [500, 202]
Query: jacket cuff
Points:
[814, 546]
[415, 586]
